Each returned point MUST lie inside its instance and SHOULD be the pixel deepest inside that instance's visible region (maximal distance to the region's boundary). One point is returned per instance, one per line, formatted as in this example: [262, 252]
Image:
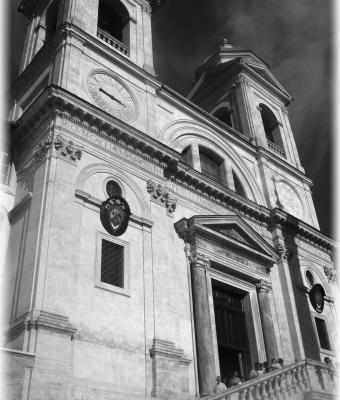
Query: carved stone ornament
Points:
[162, 194]
[330, 273]
[283, 252]
[263, 286]
[43, 148]
[114, 215]
[241, 79]
[65, 149]
[198, 259]
[317, 297]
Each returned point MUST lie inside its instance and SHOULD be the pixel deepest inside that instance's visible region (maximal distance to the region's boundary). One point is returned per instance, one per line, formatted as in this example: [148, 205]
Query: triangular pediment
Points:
[231, 231]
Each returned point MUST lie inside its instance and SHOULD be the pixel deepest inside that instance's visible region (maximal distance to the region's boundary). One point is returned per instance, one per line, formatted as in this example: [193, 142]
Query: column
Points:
[204, 339]
[196, 164]
[267, 320]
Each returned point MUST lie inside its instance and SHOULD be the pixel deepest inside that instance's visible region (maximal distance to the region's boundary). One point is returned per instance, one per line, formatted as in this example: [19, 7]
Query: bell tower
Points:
[238, 89]
[124, 26]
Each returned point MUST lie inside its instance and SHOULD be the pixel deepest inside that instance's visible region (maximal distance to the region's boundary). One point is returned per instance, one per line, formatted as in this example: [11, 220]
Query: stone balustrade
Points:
[113, 42]
[276, 149]
[292, 382]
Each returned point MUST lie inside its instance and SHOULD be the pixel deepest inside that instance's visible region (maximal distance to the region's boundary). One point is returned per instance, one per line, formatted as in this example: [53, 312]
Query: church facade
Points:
[156, 241]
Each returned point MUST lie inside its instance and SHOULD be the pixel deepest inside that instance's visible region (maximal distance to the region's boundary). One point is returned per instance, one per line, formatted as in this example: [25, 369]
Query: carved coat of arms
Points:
[114, 215]
[316, 296]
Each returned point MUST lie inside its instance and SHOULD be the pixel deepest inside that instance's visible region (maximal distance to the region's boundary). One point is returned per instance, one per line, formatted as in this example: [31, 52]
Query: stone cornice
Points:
[56, 100]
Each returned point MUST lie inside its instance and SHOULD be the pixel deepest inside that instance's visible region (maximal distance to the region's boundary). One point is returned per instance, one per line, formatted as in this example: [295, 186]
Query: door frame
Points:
[252, 312]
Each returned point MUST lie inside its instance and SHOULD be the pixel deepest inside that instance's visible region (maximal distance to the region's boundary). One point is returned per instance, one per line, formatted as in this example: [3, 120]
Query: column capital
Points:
[263, 286]
[198, 259]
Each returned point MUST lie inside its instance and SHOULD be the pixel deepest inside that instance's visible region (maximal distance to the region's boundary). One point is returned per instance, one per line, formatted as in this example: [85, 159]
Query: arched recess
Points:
[225, 113]
[317, 275]
[114, 20]
[271, 125]
[182, 133]
[119, 176]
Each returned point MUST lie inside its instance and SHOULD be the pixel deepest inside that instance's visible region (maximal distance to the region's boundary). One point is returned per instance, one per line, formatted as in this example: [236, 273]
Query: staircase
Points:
[304, 380]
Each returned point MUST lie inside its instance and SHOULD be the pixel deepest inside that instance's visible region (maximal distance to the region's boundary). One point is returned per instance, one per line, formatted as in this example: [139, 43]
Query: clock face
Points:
[289, 199]
[111, 96]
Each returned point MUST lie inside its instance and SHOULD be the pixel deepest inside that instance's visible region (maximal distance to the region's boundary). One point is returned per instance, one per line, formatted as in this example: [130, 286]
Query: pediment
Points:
[230, 231]
[262, 70]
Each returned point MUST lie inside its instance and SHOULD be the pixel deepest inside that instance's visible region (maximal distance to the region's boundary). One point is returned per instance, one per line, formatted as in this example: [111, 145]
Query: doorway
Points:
[231, 331]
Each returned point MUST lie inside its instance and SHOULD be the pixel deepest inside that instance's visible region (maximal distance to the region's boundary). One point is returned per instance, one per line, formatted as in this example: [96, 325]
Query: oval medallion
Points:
[114, 215]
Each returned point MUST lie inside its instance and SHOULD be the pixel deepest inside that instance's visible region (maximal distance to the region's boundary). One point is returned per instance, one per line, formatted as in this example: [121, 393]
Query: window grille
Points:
[322, 334]
[112, 264]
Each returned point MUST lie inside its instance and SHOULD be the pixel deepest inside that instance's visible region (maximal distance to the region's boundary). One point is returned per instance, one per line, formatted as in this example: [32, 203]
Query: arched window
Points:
[238, 185]
[224, 115]
[51, 18]
[210, 164]
[113, 24]
[271, 126]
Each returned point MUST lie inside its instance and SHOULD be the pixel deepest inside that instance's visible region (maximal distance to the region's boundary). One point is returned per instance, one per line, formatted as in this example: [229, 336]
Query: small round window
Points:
[113, 189]
[309, 278]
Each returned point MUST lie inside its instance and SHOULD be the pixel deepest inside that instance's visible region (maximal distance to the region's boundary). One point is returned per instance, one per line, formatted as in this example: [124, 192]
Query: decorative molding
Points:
[284, 253]
[163, 195]
[330, 272]
[63, 147]
[168, 349]
[43, 148]
[198, 259]
[40, 320]
[240, 80]
[263, 286]
[67, 149]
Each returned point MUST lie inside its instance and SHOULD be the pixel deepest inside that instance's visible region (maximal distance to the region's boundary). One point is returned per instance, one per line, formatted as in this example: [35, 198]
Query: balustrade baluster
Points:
[264, 392]
[288, 384]
[243, 394]
[294, 381]
[250, 393]
[276, 387]
[299, 379]
[271, 389]
[257, 392]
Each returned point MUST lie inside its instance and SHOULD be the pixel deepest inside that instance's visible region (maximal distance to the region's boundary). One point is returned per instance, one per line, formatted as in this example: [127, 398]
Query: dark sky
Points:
[294, 37]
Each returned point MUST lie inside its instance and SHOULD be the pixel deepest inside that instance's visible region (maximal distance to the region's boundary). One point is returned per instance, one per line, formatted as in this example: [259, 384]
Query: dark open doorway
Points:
[231, 331]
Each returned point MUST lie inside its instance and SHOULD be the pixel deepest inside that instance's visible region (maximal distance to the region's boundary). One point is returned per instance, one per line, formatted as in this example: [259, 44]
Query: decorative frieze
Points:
[219, 250]
[64, 148]
[109, 143]
[161, 194]
[330, 273]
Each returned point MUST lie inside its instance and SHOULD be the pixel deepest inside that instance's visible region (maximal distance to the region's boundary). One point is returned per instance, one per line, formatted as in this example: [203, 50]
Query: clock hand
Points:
[111, 97]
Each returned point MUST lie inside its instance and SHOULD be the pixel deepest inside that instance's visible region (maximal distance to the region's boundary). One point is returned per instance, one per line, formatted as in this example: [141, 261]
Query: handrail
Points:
[302, 376]
[112, 41]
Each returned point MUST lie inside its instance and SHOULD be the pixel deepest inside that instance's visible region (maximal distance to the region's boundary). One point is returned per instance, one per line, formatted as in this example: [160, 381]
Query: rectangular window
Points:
[322, 334]
[210, 167]
[112, 264]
